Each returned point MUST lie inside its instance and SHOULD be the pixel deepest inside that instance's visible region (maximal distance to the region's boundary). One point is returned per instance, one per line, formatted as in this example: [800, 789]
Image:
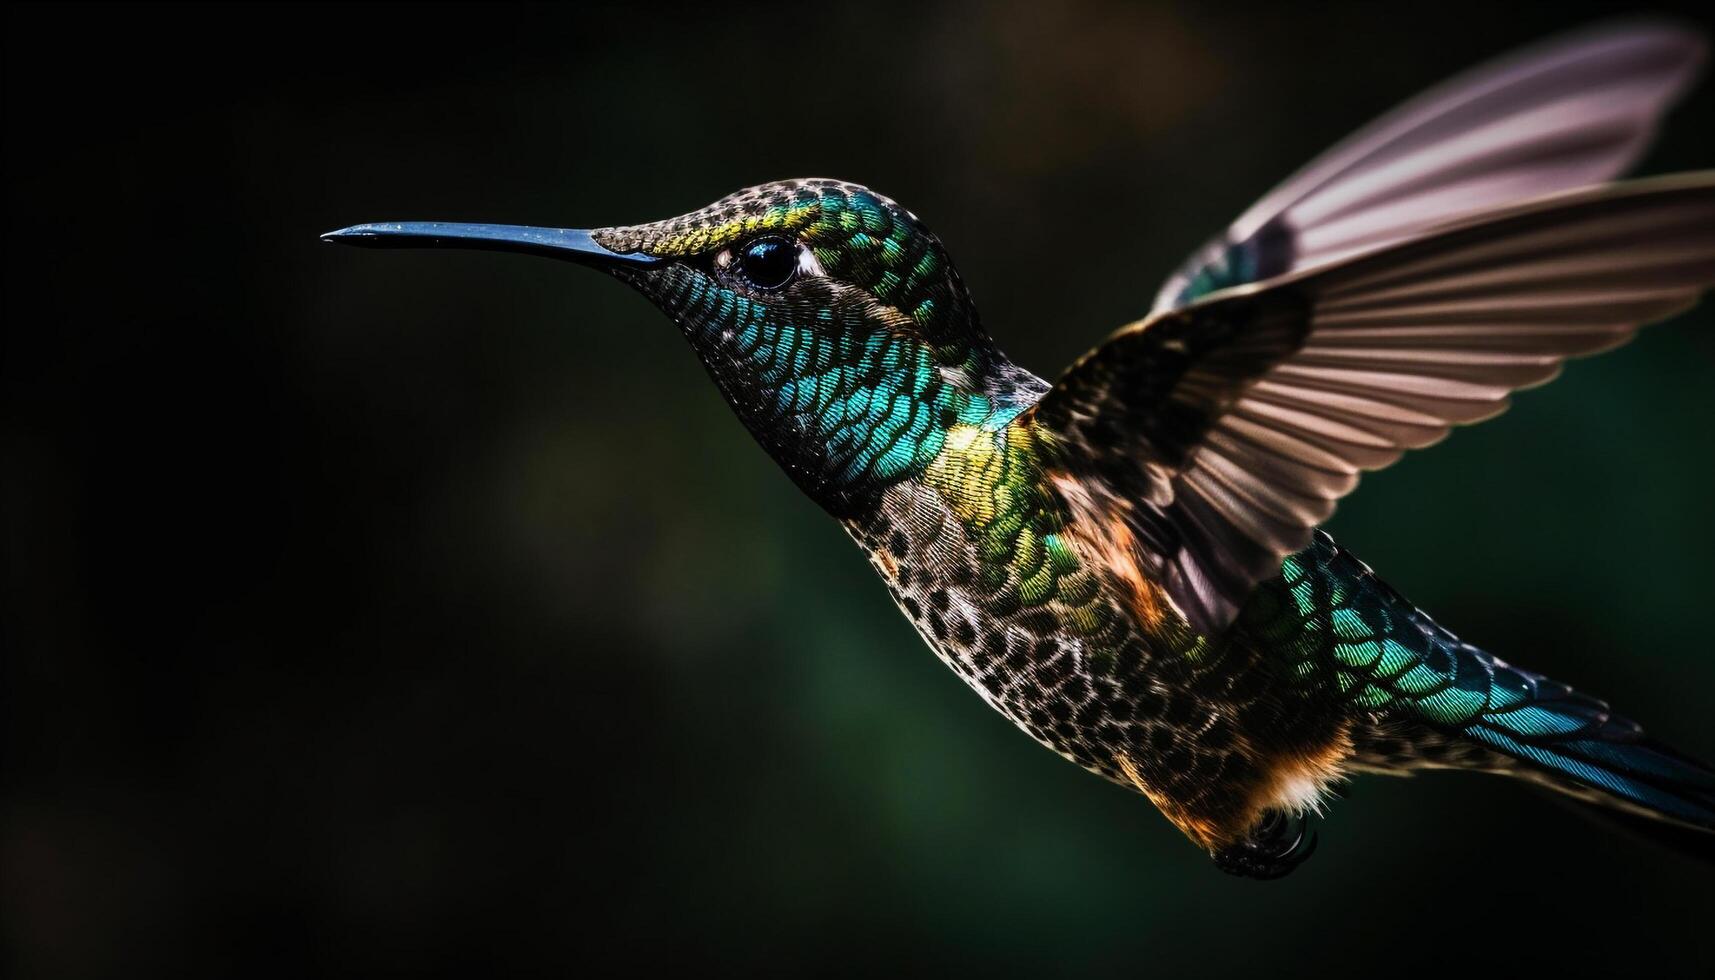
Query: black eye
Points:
[768, 263]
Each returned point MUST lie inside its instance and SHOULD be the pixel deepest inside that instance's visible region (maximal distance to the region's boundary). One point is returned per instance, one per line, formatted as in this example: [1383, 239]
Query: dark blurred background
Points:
[427, 612]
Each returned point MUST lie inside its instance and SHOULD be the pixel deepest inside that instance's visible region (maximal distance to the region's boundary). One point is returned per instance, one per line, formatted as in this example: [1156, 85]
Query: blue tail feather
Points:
[1549, 725]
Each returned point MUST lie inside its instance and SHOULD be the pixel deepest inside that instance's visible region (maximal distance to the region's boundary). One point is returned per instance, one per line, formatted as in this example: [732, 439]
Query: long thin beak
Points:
[560, 243]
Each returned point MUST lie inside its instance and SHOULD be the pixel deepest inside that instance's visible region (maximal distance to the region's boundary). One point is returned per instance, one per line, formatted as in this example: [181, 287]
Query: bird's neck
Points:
[847, 419]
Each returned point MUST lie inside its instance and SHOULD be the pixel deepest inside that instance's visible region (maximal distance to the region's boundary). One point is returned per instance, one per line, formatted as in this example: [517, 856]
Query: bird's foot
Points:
[1276, 845]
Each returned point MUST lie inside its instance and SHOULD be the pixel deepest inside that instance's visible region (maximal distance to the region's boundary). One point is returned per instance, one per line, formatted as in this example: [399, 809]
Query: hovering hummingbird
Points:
[1125, 563]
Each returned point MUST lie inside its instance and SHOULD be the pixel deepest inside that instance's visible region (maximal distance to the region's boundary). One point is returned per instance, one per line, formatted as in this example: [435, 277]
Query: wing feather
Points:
[1575, 111]
[1233, 426]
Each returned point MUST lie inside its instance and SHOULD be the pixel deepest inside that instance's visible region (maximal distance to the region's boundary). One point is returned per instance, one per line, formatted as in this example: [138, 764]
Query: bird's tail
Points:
[1462, 707]
[1574, 743]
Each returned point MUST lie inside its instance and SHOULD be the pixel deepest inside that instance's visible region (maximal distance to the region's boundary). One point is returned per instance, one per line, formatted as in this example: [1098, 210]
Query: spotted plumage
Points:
[1125, 563]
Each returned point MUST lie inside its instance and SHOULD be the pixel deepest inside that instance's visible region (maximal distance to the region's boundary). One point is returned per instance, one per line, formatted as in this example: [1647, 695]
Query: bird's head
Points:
[830, 317]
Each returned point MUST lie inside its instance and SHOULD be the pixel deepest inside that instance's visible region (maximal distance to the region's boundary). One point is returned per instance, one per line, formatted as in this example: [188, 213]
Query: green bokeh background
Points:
[428, 612]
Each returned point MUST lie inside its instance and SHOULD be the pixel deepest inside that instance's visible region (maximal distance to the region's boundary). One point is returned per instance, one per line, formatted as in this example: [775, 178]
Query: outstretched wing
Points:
[1573, 112]
[1221, 433]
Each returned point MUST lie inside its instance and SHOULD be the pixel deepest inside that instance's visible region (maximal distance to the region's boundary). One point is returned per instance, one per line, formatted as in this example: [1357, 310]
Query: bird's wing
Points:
[1219, 434]
[1573, 112]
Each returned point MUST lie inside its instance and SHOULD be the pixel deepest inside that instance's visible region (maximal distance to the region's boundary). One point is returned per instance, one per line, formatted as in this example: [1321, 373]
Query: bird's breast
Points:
[1050, 620]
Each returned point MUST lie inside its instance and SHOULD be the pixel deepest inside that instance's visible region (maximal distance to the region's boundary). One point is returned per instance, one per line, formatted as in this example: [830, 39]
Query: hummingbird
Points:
[1126, 562]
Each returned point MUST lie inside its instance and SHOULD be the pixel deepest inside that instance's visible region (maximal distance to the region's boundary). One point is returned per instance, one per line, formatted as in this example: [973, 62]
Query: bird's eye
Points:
[768, 263]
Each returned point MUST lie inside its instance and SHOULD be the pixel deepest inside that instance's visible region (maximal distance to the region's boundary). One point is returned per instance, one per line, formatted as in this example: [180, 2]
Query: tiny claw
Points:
[1276, 846]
